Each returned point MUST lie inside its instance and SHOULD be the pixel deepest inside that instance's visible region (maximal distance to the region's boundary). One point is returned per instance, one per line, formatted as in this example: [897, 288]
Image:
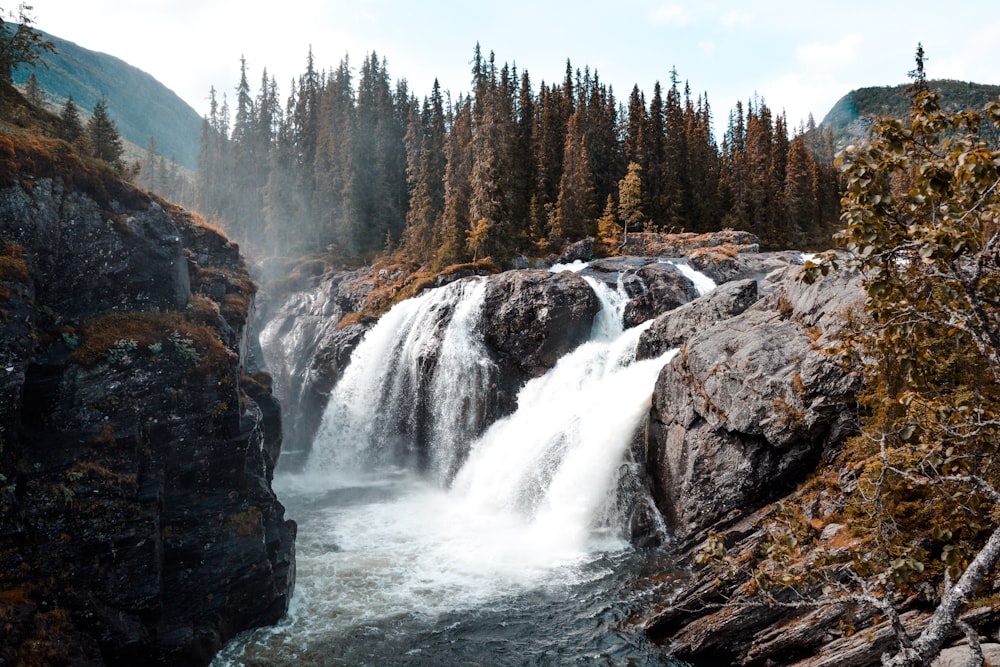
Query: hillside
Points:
[851, 116]
[141, 106]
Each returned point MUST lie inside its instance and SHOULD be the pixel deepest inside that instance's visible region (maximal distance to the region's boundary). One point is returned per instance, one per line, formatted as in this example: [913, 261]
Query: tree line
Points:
[355, 167]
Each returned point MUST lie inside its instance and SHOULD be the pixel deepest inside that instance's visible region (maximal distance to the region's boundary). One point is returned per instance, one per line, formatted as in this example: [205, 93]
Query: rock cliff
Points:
[752, 400]
[137, 521]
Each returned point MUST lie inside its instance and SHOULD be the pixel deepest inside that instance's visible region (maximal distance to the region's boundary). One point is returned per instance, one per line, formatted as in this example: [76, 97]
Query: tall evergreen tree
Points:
[105, 142]
[70, 125]
[576, 209]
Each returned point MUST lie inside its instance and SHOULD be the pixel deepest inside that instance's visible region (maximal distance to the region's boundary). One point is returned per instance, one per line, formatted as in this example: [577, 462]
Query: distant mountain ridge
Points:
[140, 106]
[852, 115]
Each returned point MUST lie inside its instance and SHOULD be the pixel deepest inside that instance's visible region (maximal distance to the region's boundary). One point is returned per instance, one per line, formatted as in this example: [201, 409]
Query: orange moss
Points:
[26, 159]
[101, 334]
[389, 292]
[13, 267]
[202, 310]
[247, 523]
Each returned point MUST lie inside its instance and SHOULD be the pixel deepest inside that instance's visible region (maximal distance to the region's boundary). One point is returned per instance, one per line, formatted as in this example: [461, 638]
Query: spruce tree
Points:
[105, 142]
[70, 125]
[576, 208]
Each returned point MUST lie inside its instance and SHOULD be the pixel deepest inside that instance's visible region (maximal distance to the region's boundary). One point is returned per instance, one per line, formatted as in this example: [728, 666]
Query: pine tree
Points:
[457, 187]
[609, 232]
[33, 91]
[20, 44]
[70, 125]
[630, 200]
[105, 142]
[576, 208]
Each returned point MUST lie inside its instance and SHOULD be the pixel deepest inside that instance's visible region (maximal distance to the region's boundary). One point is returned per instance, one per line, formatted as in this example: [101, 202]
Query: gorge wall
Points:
[137, 520]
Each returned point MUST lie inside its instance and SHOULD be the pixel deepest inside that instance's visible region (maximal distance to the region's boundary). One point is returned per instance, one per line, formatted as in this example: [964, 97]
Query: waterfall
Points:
[466, 528]
[414, 391]
[419, 380]
[702, 283]
[555, 459]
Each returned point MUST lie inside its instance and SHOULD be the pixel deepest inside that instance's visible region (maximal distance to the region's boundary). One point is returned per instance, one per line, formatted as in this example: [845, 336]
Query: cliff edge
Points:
[137, 520]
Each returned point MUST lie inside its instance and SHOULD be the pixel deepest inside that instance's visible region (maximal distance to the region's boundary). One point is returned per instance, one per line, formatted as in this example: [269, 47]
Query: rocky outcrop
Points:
[739, 418]
[724, 264]
[674, 328]
[751, 402]
[656, 244]
[137, 520]
[530, 319]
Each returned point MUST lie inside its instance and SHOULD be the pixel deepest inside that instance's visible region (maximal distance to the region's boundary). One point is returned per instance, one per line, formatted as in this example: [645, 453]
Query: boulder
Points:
[532, 317]
[655, 289]
[673, 328]
[581, 251]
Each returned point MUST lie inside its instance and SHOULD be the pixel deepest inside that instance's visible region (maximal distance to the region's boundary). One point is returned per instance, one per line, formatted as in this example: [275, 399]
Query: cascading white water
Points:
[702, 283]
[419, 375]
[554, 460]
[523, 525]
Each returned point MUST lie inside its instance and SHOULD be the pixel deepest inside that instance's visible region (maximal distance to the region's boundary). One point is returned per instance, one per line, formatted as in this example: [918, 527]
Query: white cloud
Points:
[671, 14]
[825, 56]
[830, 55]
[735, 19]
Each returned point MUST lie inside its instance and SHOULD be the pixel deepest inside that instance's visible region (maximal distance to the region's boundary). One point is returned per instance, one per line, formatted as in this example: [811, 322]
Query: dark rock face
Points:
[87, 260]
[137, 520]
[751, 402]
[655, 289]
[581, 251]
[533, 317]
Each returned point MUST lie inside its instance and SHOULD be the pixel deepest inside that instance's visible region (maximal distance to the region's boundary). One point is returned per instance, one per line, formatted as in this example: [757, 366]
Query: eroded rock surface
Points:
[306, 350]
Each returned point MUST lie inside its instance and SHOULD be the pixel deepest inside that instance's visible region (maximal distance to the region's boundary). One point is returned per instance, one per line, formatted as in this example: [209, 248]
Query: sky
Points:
[799, 57]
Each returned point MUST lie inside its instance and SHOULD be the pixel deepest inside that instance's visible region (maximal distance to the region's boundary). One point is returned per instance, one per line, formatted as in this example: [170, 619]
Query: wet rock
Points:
[581, 251]
[531, 318]
[87, 258]
[655, 289]
[306, 350]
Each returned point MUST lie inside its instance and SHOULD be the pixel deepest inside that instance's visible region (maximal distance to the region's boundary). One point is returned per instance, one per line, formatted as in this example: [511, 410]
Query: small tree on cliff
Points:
[20, 44]
[920, 482]
[105, 142]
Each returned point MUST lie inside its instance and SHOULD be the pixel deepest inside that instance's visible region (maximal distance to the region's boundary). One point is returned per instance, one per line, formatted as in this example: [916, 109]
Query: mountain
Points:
[140, 106]
[852, 115]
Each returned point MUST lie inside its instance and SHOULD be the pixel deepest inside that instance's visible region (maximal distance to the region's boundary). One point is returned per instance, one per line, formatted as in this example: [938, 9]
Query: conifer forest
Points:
[352, 165]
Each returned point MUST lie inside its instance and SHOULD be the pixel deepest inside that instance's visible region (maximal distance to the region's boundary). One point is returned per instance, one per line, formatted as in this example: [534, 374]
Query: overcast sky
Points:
[799, 56]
